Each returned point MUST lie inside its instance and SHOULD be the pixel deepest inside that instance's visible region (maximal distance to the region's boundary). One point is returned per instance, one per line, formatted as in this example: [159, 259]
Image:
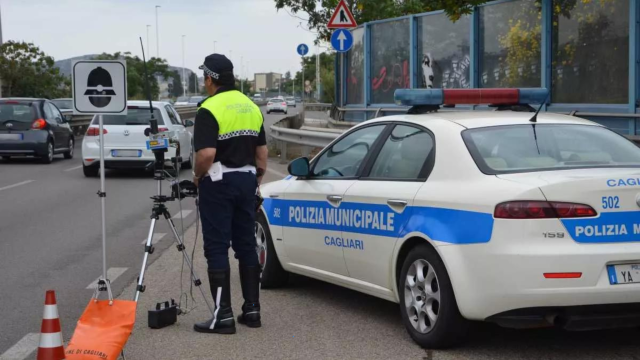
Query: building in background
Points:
[266, 82]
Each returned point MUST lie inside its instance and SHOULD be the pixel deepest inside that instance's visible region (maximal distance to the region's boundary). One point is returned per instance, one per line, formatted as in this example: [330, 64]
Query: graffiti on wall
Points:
[449, 73]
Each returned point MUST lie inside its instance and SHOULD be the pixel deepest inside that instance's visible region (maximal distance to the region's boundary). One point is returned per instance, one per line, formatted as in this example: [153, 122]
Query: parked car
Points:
[34, 127]
[291, 101]
[298, 99]
[125, 141]
[278, 105]
[63, 104]
[257, 97]
[182, 101]
[167, 100]
[194, 100]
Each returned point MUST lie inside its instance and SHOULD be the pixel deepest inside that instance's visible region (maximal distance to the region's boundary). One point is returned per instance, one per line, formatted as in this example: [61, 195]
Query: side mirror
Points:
[299, 167]
[66, 118]
[189, 123]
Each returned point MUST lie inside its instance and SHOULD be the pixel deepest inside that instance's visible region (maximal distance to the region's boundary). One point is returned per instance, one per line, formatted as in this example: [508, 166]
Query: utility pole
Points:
[0, 45]
[157, 34]
[317, 73]
[241, 73]
[184, 84]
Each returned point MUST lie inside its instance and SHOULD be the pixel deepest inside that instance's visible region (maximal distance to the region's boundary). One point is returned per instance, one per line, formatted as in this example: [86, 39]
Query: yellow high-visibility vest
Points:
[236, 114]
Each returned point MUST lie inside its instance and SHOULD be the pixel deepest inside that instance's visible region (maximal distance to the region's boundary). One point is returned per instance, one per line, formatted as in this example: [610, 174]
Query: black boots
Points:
[250, 281]
[222, 321]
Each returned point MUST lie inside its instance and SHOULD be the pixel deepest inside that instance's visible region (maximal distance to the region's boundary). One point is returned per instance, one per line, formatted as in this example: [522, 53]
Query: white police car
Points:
[495, 216]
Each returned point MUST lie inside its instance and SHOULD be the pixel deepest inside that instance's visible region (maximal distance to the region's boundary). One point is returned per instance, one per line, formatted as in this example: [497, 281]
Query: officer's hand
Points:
[196, 180]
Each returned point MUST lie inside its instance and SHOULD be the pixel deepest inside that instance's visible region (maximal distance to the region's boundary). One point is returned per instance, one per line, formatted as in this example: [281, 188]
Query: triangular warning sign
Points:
[342, 17]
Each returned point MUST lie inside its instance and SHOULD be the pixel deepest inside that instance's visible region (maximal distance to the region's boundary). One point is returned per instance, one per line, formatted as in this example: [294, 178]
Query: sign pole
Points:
[102, 201]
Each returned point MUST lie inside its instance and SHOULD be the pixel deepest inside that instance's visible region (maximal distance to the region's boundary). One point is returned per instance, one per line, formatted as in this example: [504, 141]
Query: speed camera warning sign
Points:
[99, 87]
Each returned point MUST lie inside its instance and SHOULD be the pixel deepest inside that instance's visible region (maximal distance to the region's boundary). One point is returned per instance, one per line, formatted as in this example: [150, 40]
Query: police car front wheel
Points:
[273, 275]
[427, 302]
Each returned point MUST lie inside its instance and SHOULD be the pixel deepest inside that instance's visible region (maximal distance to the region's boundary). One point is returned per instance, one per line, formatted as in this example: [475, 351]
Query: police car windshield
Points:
[544, 147]
[135, 116]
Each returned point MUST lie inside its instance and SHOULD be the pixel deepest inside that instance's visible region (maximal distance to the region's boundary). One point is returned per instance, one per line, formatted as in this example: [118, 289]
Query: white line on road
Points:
[112, 275]
[156, 237]
[74, 168]
[16, 185]
[23, 348]
[182, 214]
[275, 172]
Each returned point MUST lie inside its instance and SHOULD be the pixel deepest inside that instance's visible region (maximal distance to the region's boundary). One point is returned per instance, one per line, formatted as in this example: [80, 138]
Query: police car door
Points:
[311, 230]
[383, 199]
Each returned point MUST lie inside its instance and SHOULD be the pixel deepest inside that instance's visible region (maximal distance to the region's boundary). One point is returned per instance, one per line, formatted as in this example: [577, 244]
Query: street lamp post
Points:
[241, 72]
[157, 34]
[148, 48]
[184, 87]
[317, 73]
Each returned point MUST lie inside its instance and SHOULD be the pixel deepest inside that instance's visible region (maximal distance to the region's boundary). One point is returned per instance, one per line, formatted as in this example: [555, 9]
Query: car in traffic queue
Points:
[509, 216]
[182, 101]
[291, 101]
[64, 104]
[125, 144]
[277, 105]
[195, 100]
[34, 127]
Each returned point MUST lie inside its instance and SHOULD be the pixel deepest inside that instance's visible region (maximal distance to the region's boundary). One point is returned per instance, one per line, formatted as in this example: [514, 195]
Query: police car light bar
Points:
[417, 97]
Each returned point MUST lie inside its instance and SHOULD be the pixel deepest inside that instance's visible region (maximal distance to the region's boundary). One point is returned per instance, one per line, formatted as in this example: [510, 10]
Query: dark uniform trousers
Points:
[228, 213]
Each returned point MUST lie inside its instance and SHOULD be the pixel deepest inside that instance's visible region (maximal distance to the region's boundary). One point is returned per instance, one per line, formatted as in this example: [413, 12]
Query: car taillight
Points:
[38, 124]
[162, 129]
[94, 131]
[284, 103]
[542, 210]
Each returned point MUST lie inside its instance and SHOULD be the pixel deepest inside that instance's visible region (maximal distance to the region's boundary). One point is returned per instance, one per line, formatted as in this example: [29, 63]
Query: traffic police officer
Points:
[231, 158]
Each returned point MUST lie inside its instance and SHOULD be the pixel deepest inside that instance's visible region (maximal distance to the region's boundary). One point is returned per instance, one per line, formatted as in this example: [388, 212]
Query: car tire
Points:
[449, 327]
[286, 112]
[273, 275]
[69, 154]
[90, 171]
[268, 112]
[48, 157]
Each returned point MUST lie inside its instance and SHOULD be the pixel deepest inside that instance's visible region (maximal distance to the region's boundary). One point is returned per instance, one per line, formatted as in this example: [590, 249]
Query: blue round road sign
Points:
[342, 40]
[303, 49]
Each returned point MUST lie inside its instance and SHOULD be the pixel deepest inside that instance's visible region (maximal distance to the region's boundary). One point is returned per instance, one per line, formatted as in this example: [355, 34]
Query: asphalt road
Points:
[50, 238]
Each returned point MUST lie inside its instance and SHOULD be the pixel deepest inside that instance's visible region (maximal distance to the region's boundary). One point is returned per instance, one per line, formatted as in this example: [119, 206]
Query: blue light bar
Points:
[413, 97]
[533, 95]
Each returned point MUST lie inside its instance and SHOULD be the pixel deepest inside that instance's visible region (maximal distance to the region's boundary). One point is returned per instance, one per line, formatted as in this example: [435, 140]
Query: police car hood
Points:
[613, 192]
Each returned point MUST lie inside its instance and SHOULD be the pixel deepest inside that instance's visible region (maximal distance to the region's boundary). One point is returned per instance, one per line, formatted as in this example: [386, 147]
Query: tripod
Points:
[160, 209]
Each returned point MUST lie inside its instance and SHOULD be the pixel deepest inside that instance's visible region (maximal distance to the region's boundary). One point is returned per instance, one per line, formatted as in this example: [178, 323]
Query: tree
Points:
[369, 10]
[177, 89]
[193, 84]
[327, 62]
[136, 89]
[28, 72]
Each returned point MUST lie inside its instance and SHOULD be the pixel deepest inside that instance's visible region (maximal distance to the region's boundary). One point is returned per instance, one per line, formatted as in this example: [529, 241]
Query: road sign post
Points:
[100, 87]
[303, 50]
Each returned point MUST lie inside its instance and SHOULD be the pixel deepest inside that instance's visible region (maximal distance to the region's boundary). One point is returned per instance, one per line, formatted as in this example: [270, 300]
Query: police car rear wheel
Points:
[273, 275]
[428, 305]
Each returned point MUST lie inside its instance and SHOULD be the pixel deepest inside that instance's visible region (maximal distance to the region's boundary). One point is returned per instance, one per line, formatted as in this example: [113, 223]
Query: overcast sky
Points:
[253, 29]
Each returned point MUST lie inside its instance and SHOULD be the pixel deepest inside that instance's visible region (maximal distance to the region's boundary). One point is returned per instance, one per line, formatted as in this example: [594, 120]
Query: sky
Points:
[249, 30]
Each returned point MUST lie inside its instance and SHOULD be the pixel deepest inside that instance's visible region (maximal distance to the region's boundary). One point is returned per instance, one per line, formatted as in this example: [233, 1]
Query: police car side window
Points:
[403, 154]
[172, 116]
[345, 157]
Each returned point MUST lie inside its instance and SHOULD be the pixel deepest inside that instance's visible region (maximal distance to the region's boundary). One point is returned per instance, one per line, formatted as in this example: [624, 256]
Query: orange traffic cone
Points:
[51, 347]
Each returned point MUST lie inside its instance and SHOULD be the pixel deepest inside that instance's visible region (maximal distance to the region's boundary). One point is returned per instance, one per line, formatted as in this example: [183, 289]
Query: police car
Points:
[506, 216]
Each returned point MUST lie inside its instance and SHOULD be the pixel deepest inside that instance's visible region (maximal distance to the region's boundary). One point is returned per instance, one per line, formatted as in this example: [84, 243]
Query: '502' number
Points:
[610, 202]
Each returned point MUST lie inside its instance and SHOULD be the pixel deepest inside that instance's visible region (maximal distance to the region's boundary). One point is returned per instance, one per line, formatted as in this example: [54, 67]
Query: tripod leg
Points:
[148, 249]
[187, 259]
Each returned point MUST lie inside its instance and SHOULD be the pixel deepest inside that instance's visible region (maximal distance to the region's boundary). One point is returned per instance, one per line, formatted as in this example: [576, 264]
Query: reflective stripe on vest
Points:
[236, 114]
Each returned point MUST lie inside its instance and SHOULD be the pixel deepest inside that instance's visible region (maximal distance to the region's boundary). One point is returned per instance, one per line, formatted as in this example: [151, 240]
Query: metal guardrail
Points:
[318, 138]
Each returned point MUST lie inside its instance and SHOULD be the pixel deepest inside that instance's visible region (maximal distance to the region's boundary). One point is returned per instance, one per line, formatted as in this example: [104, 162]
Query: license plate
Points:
[624, 274]
[126, 153]
[10, 136]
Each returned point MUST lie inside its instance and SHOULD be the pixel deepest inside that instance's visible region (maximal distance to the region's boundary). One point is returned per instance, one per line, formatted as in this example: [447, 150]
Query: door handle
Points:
[334, 198]
[399, 203]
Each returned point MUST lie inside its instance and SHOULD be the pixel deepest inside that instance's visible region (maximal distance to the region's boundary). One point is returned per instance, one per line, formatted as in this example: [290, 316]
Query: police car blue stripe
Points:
[440, 224]
[609, 227]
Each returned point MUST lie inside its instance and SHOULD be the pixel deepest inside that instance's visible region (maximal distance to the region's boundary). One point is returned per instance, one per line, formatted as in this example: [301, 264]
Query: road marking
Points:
[275, 172]
[16, 185]
[112, 275]
[182, 214]
[74, 168]
[156, 237]
[23, 348]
